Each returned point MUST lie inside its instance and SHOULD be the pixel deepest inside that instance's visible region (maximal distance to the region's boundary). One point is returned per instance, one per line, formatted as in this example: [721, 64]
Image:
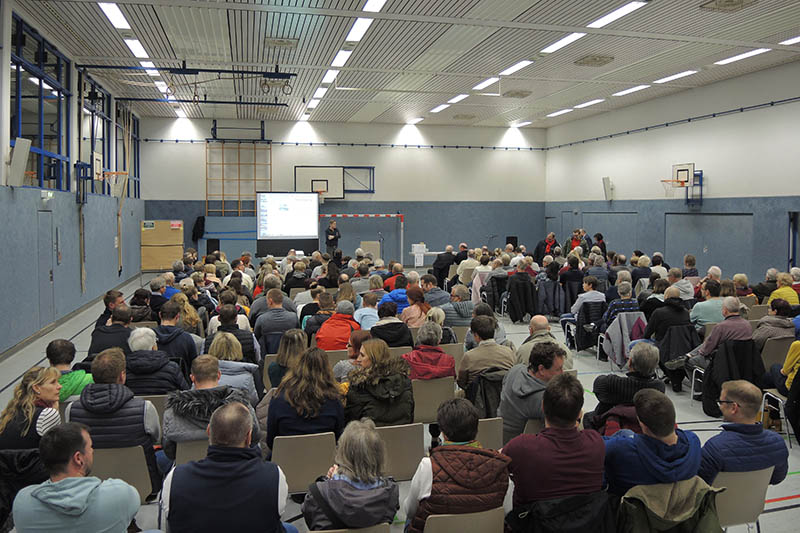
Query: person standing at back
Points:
[332, 236]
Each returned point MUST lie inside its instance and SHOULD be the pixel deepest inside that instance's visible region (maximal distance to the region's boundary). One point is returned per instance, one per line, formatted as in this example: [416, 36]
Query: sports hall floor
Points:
[782, 510]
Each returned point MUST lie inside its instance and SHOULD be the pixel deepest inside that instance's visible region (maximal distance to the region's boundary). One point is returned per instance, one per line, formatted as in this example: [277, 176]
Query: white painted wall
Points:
[742, 155]
[177, 171]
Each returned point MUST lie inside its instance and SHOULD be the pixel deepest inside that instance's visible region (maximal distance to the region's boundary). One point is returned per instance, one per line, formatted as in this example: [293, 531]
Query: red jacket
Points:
[334, 334]
[388, 285]
[429, 362]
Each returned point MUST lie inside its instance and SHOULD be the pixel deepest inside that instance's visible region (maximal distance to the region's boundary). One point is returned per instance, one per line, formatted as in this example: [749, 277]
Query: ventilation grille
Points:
[276, 42]
[463, 116]
[517, 93]
[594, 61]
[727, 6]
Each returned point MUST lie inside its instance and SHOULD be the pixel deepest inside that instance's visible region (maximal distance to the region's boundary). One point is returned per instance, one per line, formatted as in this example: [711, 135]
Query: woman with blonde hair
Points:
[346, 292]
[785, 290]
[235, 372]
[436, 315]
[307, 400]
[293, 344]
[189, 320]
[380, 388]
[32, 410]
[741, 283]
[343, 368]
[415, 314]
[355, 488]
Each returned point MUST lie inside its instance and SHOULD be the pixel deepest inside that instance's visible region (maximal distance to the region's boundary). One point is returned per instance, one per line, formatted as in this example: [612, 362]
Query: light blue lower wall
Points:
[19, 240]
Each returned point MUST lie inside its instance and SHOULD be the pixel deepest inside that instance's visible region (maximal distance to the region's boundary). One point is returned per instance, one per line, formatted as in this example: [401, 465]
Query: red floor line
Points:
[783, 499]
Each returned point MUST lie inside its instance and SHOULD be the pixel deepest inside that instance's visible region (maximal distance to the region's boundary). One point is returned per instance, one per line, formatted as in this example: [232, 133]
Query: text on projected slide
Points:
[288, 216]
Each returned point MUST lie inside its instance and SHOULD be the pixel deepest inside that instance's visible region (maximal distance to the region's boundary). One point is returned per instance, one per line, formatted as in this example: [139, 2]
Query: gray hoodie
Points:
[76, 504]
[520, 400]
[357, 505]
[686, 288]
[458, 313]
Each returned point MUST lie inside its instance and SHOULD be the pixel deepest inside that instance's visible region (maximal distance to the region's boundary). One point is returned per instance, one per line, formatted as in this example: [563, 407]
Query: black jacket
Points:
[441, 266]
[156, 302]
[18, 469]
[295, 282]
[764, 289]
[382, 393]
[245, 338]
[315, 322]
[541, 250]
[151, 372]
[113, 336]
[522, 296]
[394, 333]
[571, 514]
[672, 313]
[612, 389]
[733, 360]
[178, 344]
[102, 319]
[460, 256]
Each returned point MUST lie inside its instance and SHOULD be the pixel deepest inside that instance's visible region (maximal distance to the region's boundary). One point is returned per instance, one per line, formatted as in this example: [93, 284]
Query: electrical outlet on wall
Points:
[116, 242]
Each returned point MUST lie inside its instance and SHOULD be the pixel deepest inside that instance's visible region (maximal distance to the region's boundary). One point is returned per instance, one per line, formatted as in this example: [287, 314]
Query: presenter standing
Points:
[332, 236]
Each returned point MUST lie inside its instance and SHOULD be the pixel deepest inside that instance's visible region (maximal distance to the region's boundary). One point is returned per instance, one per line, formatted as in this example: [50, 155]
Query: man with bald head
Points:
[672, 313]
[441, 266]
[539, 329]
[463, 249]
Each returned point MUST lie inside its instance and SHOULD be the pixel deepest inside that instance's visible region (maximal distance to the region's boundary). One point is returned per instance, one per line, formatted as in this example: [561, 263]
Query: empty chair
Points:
[456, 351]
[159, 401]
[294, 291]
[753, 324]
[127, 464]
[303, 458]
[750, 300]
[268, 360]
[743, 499]
[405, 448]
[398, 351]
[490, 521]
[332, 290]
[460, 333]
[757, 311]
[533, 426]
[429, 395]
[781, 400]
[709, 329]
[190, 450]
[775, 350]
[490, 433]
[334, 356]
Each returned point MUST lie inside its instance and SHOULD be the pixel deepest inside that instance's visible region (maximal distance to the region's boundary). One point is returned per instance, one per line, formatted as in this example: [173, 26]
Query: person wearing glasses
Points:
[743, 445]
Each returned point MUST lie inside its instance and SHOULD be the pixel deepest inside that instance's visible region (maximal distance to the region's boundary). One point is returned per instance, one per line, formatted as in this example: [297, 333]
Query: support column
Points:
[6, 7]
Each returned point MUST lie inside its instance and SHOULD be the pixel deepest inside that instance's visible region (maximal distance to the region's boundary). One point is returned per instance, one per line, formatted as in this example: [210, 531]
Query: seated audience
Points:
[434, 296]
[561, 460]
[334, 334]
[157, 299]
[260, 304]
[390, 328]
[326, 310]
[60, 354]
[235, 371]
[740, 282]
[777, 323]
[689, 264]
[458, 311]
[589, 294]
[115, 417]
[613, 292]
[625, 304]
[521, 396]
[460, 476]
[641, 271]
[795, 273]
[484, 309]
[415, 314]
[346, 293]
[360, 281]
[436, 315]
[307, 400]
[311, 307]
[486, 355]
[293, 344]
[655, 299]
[229, 298]
[275, 319]
[770, 284]
[297, 279]
[172, 339]
[342, 369]
[398, 294]
[355, 493]
[573, 271]
[466, 268]
[367, 315]
[380, 388]
[784, 290]
[188, 319]
[376, 285]
[251, 350]
[660, 454]
[111, 300]
[427, 360]
[32, 410]
[140, 306]
[727, 288]
[539, 329]
[612, 389]
[149, 370]
[115, 335]
[657, 266]
[684, 286]
[72, 500]
[743, 445]
[709, 311]
[672, 313]
[191, 500]
[781, 376]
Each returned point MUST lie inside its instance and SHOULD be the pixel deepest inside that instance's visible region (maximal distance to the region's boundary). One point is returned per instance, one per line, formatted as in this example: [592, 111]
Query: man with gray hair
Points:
[169, 282]
[795, 273]
[157, 299]
[675, 278]
[334, 334]
[412, 276]
[470, 263]
[597, 269]
[178, 270]
[458, 311]
[149, 370]
[766, 287]
[624, 304]
[539, 329]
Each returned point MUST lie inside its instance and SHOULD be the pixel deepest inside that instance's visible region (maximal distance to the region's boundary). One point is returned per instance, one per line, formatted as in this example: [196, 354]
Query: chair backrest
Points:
[466, 275]
[191, 450]
[571, 291]
[694, 280]
[533, 426]
[332, 290]
[743, 499]
[159, 401]
[460, 332]
[429, 395]
[452, 271]
[775, 350]
[144, 324]
[455, 350]
[334, 356]
[268, 360]
[127, 464]
[490, 433]
[405, 448]
[753, 325]
[414, 334]
[272, 341]
[750, 300]
[294, 291]
[303, 458]
[397, 351]
[709, 329]
[380, 528]
[486, 521]
[758, 311]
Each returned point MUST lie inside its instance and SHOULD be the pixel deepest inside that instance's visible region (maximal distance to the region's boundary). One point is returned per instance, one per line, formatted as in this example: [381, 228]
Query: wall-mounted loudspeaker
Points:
[512, 239]
[608, 188]
[19, 160]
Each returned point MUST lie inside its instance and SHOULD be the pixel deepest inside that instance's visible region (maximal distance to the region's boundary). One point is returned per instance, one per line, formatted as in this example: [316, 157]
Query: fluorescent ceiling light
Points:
[558, 45]
[513, 68]
[358, 30]
[305, 117]
[313, 103]
[485, 83]
[319, 93]
[676, 76]
[136, 48]
[562, 112]
[793, 40]
[162, 86]
[181, 113]
[440, 108]
[330, 76]
[115, 15]
[745, 55]
[616, 14]
[153, 73]
[341, 58]
[374, 6]
[147, 64]
[415, 121]
[457, 99]
[590, 103]
[521, 124]
[631, 90]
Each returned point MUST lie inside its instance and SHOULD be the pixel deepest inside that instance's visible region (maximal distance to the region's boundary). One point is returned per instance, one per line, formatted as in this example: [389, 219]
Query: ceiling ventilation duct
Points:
[517, 93]
[594, 61]
[727, 6]
[463, 116]
[277, 42]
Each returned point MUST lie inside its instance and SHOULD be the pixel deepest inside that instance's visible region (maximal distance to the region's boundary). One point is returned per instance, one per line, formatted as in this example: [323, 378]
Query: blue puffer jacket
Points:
[744, 448]
[397, 296]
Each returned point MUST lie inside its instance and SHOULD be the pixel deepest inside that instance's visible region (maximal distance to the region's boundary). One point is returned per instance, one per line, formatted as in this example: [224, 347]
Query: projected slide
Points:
[288, 215]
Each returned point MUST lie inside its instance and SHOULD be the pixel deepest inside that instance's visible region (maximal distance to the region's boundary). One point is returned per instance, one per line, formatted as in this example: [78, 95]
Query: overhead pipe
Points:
[185, 71]
[190, 101]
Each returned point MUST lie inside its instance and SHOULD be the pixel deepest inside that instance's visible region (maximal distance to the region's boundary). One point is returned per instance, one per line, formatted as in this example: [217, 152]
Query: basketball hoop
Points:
[671, 185]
